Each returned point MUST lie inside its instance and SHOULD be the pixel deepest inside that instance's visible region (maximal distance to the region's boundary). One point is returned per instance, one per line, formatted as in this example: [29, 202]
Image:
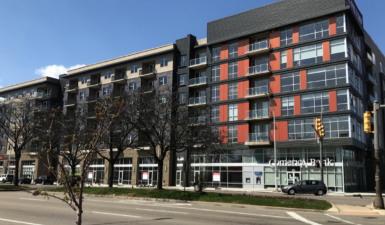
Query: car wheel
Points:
[320, 192]
[291, 192]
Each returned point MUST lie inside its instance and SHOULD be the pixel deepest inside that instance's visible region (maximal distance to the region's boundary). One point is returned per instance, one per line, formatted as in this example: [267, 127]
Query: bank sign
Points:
[300, 163]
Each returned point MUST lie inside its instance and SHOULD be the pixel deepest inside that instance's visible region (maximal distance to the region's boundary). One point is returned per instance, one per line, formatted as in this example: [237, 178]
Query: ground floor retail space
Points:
[30, 166]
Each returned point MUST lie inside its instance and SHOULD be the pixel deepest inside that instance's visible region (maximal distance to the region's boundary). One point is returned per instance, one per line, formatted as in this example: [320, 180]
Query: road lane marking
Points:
[340, 219]
[33, 199]
[113, 214]
[300, 218]
[161, 211]
[15, 221]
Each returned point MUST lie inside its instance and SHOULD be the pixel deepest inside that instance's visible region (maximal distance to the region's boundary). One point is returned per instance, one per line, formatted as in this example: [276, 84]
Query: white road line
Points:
[15, 221]
[113, 214]
[33, 199]
[340, 219]
[161, 211]
[300, 218]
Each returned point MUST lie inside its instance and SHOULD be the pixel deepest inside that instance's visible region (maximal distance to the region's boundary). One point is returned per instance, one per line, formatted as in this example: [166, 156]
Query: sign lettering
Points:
[300, 163]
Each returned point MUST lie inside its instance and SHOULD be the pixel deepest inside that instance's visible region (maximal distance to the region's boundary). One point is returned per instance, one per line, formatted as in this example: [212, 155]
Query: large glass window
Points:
[353, 102]
[290, 82]
[283, 60]
[233, 91]
[308, 54]
[314, 29]
[215, 93]
[313, 103]
[301, 129]
[182, 79]
[182, 60]
[286, 36]
[233, 70]
[326, 76]
[340, 24]
[233, 112]
[232, 136]
[336, 127]
[215, 73]
[342, 100]
[216, 54]
[287, 107]
[162, 80]
[260, 65]
[233, 49]
[337, 49]
[214, 114]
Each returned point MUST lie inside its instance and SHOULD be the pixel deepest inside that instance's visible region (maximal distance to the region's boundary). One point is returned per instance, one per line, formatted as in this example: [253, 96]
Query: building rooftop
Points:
[28, 83]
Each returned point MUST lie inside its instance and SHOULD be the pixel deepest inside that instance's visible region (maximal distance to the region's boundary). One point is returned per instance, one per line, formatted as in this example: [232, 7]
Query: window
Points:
[216, 54]
[16, 95]
[24, 93]
[260, 65]
[132, 86]
[163, 80]
[353, 102]
[286, 36]
[82, 95]
[8, 97]
[233, 70]
[10, 147]
[233, 50]
[215, 114]
[182, 60]
[342, 100]
[337, 49]
[215, 93]
[308, 54]
[232, 136]
[106, 91]
[326, 76]
[84, 80]
[313, 103]
[233, 112]
[301, 129]
[163, 98]
[287, 107]
[134, 69]
[340, 24]
[182, 98]
[314, 29]
[283, 60]
[107, 75]
[290, 82]
[233, 91]
[336, 127]
[130, 138]
[182, 79]
[32, 92]
[163, 62]
[215, 73]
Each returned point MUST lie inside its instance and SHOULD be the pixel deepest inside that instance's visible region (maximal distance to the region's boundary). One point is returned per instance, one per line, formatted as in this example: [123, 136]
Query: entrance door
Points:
[196, 176]
[150, 178]
[293, 177]
[178, 178]
[120, 178]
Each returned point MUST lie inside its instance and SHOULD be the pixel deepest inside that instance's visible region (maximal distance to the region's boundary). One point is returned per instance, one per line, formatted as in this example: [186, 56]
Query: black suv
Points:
[316, 187]
[44, 180]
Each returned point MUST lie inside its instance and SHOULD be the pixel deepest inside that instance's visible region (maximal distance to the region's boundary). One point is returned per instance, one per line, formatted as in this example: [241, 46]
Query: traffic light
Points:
[317, 124]
[367, 122]
[321, 131]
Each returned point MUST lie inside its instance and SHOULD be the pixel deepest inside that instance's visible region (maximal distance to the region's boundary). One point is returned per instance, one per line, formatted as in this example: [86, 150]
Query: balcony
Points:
[258, 70]
[257, 48]
[260, 114]
[369, 60]
[196, 121]
[91, 114]
[92, 98]
[95, 84]
[70, 103]
[41, 95]
[72, 88]
[198, 63]
[147, 73]
[371, 80]
[258, 139]
[197, 101]
[257, 92]
[198, 82]
[118, 79]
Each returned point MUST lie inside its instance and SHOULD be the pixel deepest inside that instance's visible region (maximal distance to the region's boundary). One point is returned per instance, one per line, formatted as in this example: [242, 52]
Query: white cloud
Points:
[55, 70]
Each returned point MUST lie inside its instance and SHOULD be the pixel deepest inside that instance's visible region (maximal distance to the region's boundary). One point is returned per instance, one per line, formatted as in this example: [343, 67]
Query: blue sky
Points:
[43, 37]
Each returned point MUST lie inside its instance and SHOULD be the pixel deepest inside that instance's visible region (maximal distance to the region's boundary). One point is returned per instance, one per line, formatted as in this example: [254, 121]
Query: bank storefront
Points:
[255, 169]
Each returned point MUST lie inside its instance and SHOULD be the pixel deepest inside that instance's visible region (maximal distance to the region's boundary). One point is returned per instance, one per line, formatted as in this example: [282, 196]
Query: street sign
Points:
[216, 176]
[145, 175]
[90, 175]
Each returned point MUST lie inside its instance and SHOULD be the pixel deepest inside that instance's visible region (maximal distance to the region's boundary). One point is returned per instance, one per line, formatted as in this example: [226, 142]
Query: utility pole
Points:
[319, 129]
[378, 201]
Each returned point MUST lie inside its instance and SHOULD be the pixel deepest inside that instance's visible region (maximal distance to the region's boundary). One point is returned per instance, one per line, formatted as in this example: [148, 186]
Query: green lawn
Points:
[276, 201]
[12, 188]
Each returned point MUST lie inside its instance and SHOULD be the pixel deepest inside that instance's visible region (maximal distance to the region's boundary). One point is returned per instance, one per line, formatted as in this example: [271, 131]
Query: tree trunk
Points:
[111, 174]
[16, 175]
[73, 169]
[159, 182]
[79, 212]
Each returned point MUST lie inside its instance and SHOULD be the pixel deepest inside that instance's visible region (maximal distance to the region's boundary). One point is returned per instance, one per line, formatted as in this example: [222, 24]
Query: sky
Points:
[46, 38]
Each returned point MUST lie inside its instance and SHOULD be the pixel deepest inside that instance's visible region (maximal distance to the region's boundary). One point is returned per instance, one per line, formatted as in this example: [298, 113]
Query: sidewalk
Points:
[358, 210]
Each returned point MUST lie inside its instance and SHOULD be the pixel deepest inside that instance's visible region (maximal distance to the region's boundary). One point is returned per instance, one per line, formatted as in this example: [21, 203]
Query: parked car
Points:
[24, 180]
[316, 187]
[6, 178]
[44, 180]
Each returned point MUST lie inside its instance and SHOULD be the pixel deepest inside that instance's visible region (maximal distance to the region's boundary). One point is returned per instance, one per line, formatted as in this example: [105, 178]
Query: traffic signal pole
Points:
[378, 201]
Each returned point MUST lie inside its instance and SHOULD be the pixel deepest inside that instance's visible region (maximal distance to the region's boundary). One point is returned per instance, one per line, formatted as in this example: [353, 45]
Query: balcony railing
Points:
[258, 69]
[41, 95]
[198, 100]
[257, 91]
[257, 114]
[70, 102]
[196, 120]
[118, 77]
[198, 80]
[258, 137]
[148, 70]
[198, 61]
[372, 79]
[92, 98]
[93, 82]
[72, 87]
[257, 46]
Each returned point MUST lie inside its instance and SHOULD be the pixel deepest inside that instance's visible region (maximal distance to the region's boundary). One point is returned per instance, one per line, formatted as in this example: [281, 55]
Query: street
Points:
[23, 208]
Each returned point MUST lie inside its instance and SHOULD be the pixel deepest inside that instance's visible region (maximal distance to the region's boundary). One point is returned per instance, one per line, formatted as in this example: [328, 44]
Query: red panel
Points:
[242, 108]
[289, 54]
[242, 86]
[297, 105]
[332, 101]
[243, 130]
[242, 46]
[275, 84]
[223, 133]
[242, 66]
[275, 39]
[326, 50]
[302, 76]
[275, 61]
[296, 33]
[332, 25]
[224, 71]
[223, 92]
[223, 113]
[276, 105]
[224, 51]
[280, 132]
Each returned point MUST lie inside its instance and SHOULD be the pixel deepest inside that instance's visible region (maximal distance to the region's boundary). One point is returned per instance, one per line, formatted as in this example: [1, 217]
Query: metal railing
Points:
[41, 95]
[257, 69]
[148, 70]
[257, 46]
[257, 91]
[198, 80]
[93, 82]
[72, 86]
[258, 137]
[70, 102]
[198, 100]
[92, 98]
[199, 119]
[372, 79]
[118, 77]
[257, 114]
[197, 61]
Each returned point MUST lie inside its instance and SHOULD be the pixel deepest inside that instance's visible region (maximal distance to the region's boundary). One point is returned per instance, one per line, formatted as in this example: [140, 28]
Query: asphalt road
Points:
[23, 208]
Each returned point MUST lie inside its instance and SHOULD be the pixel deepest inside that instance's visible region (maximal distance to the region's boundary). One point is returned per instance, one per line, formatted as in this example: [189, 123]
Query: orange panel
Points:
[332, 25]
[243, 130]
[242, 108]
[242, 86]
[296, 33]
[223, 113]
[326, 50]
[275, 38]
[332, 101]
[242, 46]
[275, 61]
[302, 76]
[223, 92]
[275, 84]
[223, 133]
[276, 105]
[280, 132]
[224, 71]
[224, 51]
[297, 105]
[242, 66]
[289, 54]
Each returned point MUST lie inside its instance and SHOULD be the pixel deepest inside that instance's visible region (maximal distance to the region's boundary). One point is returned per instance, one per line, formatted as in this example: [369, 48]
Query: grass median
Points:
[275, 201]
[12, 188]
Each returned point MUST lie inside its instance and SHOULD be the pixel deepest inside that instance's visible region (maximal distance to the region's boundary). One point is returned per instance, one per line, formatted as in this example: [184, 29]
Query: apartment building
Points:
[44, 93]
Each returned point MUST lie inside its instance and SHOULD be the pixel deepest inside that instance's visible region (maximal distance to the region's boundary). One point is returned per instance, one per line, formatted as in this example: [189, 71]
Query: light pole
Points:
[378, 200]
